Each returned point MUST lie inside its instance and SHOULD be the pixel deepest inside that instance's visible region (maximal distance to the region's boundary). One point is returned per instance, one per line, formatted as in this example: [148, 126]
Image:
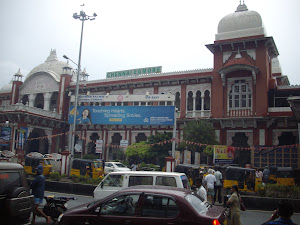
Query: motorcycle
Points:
[55, 206]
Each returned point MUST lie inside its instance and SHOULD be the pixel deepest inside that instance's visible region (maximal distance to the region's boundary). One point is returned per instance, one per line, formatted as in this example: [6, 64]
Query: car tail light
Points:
[216, 222]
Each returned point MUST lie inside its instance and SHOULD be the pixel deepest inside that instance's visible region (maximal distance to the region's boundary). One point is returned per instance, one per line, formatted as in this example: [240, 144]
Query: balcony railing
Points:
[198, 114]
[29, 109]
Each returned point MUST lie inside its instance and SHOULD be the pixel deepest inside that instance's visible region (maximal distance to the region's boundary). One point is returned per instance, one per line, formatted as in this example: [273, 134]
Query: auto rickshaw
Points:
[244, 178]
[273, 176]
[88, 168]
[285, 176]
[31, 163]
[191, 171]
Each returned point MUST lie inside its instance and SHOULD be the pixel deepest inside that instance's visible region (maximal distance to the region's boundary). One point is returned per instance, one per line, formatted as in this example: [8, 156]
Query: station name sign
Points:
[123, 73]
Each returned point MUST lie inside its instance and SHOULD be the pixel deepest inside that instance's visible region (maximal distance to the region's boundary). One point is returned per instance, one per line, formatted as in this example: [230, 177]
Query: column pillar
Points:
[47, 101]
[31, 99]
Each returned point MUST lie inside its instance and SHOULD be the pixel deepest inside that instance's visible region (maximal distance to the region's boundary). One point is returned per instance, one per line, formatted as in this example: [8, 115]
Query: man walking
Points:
[266, 174]
[210, 184]
[218, 184]
[38, 189]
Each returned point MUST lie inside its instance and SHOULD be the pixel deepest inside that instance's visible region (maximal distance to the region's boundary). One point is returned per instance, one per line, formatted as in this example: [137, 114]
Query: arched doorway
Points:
[114, 151]
[140, 137]
[287, 138]
[92, 144]
[242, 154]
[35, 143]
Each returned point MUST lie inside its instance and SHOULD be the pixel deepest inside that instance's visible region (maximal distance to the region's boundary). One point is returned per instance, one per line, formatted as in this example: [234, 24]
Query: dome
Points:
[52, 66]
[241, 23]
[7, 88]
[276, 68]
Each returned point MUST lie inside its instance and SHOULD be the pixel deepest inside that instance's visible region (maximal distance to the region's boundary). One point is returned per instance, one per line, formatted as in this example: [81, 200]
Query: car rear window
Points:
[9, 180]
[159, 206]
[140, 180]
[166, 181]
[197, 203]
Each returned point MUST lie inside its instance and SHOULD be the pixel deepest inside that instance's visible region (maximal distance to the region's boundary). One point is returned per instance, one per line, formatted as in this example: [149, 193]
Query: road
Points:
[248, 217]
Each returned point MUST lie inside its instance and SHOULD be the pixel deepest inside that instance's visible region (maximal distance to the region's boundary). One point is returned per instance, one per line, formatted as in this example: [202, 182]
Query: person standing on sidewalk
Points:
[234, 204]
[38, 189]
[210, 184]
[218, 185]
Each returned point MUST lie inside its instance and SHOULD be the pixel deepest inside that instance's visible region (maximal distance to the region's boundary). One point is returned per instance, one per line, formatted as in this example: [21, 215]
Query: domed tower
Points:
[242, 65]
[242, 78]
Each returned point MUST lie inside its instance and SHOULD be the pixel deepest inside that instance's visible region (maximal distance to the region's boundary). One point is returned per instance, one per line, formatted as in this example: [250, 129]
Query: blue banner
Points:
[123, 115]
[5, 136]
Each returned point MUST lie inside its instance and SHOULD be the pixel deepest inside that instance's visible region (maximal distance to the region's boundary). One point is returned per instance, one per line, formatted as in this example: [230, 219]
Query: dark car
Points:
[147, 205]
[16, 203]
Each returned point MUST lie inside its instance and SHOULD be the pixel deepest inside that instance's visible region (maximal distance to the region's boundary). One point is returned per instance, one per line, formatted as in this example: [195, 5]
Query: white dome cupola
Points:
[241, 23]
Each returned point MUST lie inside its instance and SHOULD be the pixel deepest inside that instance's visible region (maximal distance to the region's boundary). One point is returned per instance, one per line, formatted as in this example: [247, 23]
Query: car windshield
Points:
[197, 203]
[120, 165]
[97, 164]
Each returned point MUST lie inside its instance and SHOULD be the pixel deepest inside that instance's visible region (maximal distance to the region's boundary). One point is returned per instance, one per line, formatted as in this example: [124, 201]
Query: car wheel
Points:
[20, 192]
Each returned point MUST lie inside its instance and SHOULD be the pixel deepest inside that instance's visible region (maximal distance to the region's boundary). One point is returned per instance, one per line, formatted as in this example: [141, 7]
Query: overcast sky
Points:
[130, 34]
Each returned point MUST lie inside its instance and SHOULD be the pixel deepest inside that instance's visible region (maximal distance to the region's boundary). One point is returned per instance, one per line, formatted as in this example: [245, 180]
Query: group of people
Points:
[263, 175]
[211, 186]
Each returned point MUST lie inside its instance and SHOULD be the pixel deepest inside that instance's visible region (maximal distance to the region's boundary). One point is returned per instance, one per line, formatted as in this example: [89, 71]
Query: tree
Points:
[137, 152]
[200, 132]
[157, 153]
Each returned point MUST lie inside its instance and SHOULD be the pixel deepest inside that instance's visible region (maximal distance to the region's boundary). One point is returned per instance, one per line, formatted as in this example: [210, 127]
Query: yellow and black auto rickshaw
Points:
[88, 168]
[244, 178]
[31, 163]
[285, 176]
[191, 171]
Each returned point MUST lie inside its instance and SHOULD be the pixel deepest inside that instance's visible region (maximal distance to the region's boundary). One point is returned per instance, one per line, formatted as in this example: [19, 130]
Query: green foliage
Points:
[137, 152]
[279, 191]
[55, 176]
[200, 132]
[158, 153]
[90, 156]
[209, 150]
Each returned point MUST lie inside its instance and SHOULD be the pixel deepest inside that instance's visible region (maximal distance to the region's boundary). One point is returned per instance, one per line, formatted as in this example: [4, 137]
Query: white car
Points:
[114, 167]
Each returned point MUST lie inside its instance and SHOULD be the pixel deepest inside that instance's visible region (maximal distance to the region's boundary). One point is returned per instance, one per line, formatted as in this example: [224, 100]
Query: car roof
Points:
[157, 189]
[10, 166]
[148, 173]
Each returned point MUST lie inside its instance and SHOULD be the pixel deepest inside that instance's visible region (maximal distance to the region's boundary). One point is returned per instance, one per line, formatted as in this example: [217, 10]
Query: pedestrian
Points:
[282, 214]
[133, 167]
[266, 174]
[210, 180]
[218, 185]
[38, 189]
[234, 204]
[201, 191]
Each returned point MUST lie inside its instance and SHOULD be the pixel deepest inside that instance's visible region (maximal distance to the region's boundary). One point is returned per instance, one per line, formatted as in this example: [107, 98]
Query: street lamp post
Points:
[83, 17]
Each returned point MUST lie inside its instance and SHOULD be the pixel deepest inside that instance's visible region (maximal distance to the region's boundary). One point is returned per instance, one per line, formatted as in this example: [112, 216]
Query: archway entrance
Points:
[36, 143]
[115, 140]
[242, 154]
[287, 138]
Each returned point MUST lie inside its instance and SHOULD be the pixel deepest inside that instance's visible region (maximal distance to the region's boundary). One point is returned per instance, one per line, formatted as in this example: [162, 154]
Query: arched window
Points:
[177, 100]
[140, 137]
[39, 101]
[53, 101]
[206, 100]
[198, 100]
[190, 101]
[25, 99]
[240, 95]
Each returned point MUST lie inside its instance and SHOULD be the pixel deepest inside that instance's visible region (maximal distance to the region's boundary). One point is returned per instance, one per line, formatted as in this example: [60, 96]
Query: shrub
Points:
[55, 176]
[279, 191]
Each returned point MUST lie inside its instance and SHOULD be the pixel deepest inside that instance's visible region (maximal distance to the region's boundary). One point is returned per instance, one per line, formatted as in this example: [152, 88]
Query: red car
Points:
[147, 205]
